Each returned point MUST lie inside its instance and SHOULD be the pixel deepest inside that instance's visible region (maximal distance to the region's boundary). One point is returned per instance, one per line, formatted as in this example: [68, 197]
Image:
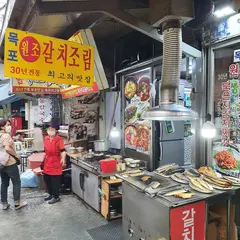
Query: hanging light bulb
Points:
[114, 133]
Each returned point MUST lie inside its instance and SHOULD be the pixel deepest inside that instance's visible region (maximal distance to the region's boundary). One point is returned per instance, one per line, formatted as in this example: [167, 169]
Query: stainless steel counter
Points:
[147, 216]
[86, 180]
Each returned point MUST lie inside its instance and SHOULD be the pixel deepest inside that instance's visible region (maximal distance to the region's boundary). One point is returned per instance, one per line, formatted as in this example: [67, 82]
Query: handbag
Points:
[4, 156]
[42, 165]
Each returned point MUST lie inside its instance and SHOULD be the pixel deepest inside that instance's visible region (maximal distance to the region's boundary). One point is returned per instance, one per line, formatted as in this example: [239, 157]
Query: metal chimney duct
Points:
[172, 58]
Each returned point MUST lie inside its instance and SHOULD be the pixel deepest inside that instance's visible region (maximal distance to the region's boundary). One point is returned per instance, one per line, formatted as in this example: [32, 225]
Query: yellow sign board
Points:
[38, 57]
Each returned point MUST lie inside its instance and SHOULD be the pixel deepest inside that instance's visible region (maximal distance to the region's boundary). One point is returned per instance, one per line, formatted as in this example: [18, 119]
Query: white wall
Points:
[109, 103]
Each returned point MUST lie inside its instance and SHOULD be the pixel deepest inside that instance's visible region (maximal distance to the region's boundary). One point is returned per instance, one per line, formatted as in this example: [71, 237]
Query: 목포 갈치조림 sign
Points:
[38, 57]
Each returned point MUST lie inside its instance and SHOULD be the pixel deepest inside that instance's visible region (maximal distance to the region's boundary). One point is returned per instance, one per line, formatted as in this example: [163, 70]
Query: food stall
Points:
[178, 202]
[189, 200]
[221, 45]
[155, 142]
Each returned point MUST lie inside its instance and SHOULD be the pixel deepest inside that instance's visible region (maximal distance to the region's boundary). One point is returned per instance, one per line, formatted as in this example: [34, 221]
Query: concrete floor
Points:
[67, 220]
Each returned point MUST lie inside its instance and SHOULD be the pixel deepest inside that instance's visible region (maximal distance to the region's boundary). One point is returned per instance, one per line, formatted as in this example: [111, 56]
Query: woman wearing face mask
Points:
[8, 127]
[9, 131]
[10, 171]
[54, 162]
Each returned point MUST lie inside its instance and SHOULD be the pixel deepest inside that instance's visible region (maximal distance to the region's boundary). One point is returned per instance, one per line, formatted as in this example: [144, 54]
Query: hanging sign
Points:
[137, 96]
[226, 112]
[34, 87]
[188, 222]
[43, 110]
[84, 117]
[76, 91]
[226, 29]
[226, 154]
[236, 56]
[38, 57]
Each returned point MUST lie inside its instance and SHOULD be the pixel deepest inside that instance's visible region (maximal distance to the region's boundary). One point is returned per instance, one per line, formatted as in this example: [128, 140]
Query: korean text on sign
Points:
[188, 222]
[233, 71]
[226, 112]
[37, 57]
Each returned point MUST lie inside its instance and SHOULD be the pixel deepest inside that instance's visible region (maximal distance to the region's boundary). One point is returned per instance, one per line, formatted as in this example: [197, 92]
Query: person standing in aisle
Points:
[53, 164]
[10, 171]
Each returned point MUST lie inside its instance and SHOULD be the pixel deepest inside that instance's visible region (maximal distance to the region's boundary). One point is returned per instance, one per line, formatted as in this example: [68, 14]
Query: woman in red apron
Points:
[54, 162]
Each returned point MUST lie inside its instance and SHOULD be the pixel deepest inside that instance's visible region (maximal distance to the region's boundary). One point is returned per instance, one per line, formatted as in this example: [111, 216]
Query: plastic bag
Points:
[28, 179]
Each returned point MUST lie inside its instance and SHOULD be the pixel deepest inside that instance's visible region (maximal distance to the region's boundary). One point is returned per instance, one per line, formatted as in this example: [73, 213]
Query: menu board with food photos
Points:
[137, 94]
[83, 112]
[226, 150]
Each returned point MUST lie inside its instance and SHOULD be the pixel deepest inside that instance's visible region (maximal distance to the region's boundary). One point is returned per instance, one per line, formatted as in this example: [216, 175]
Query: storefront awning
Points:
[6, 97]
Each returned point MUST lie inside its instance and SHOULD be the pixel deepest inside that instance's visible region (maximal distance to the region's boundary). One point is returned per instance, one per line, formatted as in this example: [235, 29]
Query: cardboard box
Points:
[212, 231]
[221, 210]
[213, 220]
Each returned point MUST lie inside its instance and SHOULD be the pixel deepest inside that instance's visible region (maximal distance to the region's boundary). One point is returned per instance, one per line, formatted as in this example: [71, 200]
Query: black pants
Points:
[53, 183]
[10, 172]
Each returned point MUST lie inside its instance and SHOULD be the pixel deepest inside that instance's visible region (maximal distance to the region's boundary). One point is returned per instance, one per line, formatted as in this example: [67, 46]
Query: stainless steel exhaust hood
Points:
[170, 112]
[172, 57]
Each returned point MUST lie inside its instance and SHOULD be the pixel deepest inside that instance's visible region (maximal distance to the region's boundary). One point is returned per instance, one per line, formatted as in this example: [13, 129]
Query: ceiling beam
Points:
[82, 22]
[65, 7]
[145, 28]
[114, 9]
[29, 7]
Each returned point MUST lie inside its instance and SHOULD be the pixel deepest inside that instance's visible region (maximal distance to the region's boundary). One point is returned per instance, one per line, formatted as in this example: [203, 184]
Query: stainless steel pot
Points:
[101, 145]
[113, 213]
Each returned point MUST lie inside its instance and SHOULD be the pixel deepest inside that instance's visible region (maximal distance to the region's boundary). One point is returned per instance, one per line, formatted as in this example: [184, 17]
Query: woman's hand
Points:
[63, 163]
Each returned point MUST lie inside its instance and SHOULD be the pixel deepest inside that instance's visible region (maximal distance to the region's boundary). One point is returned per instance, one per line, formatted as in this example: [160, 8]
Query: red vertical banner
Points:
[188, 222]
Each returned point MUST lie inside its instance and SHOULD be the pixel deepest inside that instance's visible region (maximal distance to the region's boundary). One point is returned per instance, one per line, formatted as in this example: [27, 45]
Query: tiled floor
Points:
[66, 220]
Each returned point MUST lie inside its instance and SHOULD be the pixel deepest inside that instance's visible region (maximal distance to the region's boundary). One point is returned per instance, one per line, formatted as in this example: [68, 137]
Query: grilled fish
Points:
[178, 177]
[175, 192]
[235, 181]
[175, 170]
[198, 187]
[182, 176]
[192, 173]
[204, 184]
[221, 182]
[207, 170]
[165, 168]
[184, 195]
[218, 184]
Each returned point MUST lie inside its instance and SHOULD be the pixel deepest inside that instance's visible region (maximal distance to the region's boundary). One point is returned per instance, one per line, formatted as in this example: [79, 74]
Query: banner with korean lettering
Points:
[188, 222]
[226, 151]
[34, 87]
[76, 91]
[38, 57]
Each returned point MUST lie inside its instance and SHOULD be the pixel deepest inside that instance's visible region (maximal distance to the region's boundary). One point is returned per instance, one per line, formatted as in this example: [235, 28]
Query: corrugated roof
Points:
[6, 96]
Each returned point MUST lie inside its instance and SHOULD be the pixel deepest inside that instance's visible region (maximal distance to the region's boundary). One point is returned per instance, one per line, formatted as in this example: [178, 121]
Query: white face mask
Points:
[51, 133]
[8, 129]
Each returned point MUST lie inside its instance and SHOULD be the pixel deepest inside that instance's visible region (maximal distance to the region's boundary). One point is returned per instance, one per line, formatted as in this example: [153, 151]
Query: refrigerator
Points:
[169, 144]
